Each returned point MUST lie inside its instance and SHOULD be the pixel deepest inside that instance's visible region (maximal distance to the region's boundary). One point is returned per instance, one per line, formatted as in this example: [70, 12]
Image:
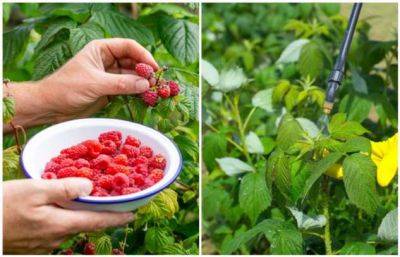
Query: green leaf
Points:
[8, 109]
[280, 90]
[191, 100]
[278, 169]
[291, 98]
[79, 12]
[232, 166]
[216, 199]
[388, 228]
[311, 61]
[289, 132]
[118, 25]
[292, 51]
[319, 168]
[253, 143]
[357, 248]
[308, 126]
[341, 129]
[104, 245]
[209, 73]
[357, 144]
[14, 42]
[283, 237]
[307, 222]
[356, 107]
[11, 168]
[7, 7]
[263, 100]
[82, 35]
[51, 59]
[214, 146]
[254, 196]
[359, 83]
[156, 238]
[161, 207]
[180, 38]
[52, 31]
[188, 146]
[359, 173]
[230, 80]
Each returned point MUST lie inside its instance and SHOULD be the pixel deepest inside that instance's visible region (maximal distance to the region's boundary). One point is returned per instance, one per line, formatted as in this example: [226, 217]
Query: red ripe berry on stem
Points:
[144, 70]
[90, 249]
[163, 91]
[150, 98]
[173, 88]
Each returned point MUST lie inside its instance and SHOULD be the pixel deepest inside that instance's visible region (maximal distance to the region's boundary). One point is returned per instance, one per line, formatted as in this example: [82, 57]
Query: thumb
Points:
[123, 84]
[58, 190]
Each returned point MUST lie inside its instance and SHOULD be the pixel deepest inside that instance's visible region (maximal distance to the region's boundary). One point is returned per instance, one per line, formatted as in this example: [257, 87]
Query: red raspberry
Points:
[141, 169]
[116, 251]
[59, 158]
[156, 175]
[85, 172]
[68, 251]
[148, 182]
[52, 167]
[99, 191]
[173, 88]
[109, 147]
[138, 160]
[150, 98]
[94, 147]
[136, 179]
[163, 92]
[106, 182]
[146, 151]
[129, 151]
[67, 163]
[90, 249]
[120, 180]
[144, 70]
[116, 168]
[76, 151]
[133, 141]
[81, 163]
[129, 190]
[102, 162]
[121, 159]
[67, 172]
[49, 175]
[158, 161]
[114, 136]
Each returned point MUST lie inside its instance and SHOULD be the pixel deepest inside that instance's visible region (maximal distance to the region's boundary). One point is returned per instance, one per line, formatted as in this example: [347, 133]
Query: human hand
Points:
[80, 88]
[33, 223]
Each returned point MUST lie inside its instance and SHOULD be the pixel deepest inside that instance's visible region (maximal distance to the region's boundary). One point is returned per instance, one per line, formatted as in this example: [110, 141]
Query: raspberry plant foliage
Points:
[265, 188]
[40, 37]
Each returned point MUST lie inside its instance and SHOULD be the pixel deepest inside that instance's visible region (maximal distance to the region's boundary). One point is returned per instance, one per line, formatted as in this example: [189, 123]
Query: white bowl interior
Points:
[49, 142]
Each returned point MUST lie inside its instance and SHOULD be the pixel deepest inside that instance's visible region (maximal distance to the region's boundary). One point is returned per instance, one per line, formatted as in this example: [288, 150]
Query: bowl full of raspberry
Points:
[128, 163]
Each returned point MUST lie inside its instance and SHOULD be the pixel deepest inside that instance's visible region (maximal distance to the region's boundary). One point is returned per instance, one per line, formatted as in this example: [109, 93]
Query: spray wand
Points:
[337, 74]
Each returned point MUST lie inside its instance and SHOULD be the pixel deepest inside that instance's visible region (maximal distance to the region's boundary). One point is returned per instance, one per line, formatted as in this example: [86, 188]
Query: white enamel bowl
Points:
[50, 141]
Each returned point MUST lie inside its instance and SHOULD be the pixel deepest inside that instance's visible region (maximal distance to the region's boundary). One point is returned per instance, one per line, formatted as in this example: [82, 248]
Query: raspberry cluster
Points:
[115, 167]
[159, 88]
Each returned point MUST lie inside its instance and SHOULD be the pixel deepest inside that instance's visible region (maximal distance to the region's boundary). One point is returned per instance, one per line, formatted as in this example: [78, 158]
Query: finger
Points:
[66, 189]
[87, 221]
[122, 84]
[122, 48]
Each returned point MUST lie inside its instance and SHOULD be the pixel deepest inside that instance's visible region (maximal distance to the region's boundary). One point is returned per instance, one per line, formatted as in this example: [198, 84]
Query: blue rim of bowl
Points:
[130, 199]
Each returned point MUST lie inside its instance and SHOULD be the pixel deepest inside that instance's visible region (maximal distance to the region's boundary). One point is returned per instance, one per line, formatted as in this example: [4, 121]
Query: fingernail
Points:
[142, 85]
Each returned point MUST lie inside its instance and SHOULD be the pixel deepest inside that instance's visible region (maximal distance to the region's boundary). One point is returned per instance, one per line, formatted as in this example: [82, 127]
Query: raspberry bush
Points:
[264, 185]
[40, 37]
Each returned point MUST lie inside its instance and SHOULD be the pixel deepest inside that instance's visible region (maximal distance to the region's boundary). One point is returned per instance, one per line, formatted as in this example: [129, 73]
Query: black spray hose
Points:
[337, 74]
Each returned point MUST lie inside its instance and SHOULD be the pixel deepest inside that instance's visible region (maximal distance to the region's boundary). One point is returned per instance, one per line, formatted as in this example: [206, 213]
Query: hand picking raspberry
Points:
[128, 168]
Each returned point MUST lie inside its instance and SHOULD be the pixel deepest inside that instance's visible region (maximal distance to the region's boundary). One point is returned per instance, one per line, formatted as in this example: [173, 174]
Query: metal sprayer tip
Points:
[327, 107]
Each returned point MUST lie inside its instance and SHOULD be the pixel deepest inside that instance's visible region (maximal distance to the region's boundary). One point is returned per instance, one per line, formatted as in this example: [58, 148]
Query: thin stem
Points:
[228, 139]
[314, 234]
[325, 208]
[246, 122]
[129, 108]
[235, 110]
[125, 238]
